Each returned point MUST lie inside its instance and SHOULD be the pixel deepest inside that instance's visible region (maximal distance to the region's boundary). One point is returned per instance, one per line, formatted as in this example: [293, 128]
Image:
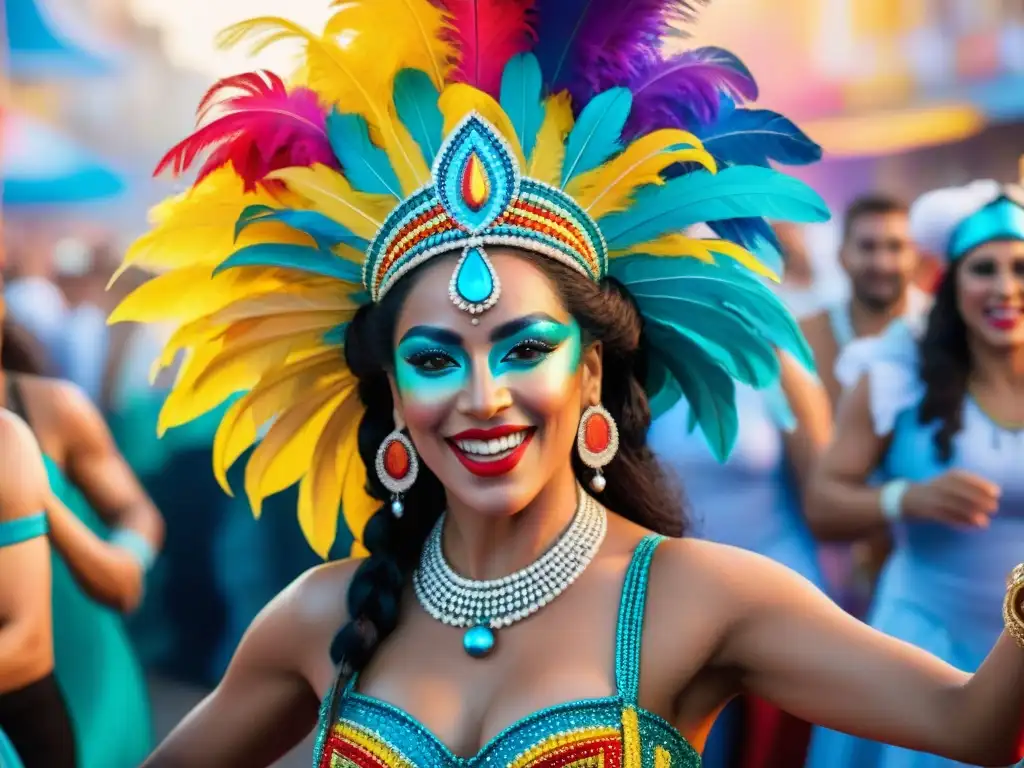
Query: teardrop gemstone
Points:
[474, 282]
[475, 186]
[478, 641]
[396, 460]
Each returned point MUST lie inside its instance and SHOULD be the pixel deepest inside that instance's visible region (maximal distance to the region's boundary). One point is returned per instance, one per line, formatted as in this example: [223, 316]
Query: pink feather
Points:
[262, 129]
[487, 33]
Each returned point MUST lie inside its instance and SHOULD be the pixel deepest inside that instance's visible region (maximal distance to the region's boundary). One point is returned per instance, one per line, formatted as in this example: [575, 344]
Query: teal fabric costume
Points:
[95, 663]
[11, 533]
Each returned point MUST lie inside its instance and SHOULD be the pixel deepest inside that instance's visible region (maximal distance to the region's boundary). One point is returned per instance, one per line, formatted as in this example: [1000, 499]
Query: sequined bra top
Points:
[610, 732]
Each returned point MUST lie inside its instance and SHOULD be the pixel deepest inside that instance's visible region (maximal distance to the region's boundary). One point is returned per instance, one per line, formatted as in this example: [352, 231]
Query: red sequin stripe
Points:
[340, 746]
[393, 254]
[578, 242]
[582, 243]
[609, 750]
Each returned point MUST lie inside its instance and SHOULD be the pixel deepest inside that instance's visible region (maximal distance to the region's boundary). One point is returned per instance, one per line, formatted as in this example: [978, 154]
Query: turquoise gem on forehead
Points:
[474, 282]
[478, 641]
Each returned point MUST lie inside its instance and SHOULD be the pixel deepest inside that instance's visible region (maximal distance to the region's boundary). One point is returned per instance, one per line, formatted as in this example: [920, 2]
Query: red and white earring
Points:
[397, 467]
[597, 441]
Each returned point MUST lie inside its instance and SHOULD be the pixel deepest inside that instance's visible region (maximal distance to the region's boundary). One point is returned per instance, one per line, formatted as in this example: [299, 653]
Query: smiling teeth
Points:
[491, 447]
[1003, 313]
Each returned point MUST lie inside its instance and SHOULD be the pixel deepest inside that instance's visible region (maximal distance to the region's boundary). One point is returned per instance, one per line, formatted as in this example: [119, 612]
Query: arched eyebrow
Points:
[512, 327]
[502, 332]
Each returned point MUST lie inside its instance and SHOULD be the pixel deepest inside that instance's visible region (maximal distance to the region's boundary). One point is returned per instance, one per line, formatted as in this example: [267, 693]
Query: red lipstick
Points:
[481, 464]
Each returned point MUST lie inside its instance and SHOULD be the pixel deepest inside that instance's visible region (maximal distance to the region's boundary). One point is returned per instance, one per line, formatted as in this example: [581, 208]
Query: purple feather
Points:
[589, 46]
[687, 89]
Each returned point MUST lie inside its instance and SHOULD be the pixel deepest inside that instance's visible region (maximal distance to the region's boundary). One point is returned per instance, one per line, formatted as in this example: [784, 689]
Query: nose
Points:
[1009, 284]
[485, 396]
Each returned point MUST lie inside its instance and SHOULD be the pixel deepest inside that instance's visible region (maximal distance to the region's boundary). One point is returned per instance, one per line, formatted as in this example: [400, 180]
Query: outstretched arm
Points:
[25, 643]
[797, 649]
[112, 573]
[266, 704]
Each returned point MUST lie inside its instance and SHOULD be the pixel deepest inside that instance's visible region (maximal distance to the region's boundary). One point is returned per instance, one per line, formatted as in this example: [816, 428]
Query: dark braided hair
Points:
[636, 488]
[945, 365]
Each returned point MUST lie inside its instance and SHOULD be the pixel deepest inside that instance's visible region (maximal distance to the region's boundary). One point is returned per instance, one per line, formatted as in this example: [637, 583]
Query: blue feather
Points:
[302, 258]
[756, 137]
[521, 98]
[336, 335]
[757, 236]
[737, 192]
[558, 25]
[709, 390]
[416, 105]
[366, 166]
[597, 133]
[325, 231]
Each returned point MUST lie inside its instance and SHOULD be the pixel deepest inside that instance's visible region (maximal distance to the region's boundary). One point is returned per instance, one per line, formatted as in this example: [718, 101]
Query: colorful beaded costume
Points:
[420, 128]
[612, 732]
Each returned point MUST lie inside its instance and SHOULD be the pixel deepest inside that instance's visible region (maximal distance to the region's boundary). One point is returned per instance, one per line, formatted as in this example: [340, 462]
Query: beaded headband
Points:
[479, 197]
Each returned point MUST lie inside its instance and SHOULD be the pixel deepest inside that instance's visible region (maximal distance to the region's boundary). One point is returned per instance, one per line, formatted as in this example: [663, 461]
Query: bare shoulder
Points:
[65, 401]
[295, 630]
[726, 582]
[23, 483]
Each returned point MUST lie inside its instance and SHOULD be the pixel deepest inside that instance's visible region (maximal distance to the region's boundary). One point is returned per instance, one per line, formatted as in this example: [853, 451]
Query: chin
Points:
[502, 498]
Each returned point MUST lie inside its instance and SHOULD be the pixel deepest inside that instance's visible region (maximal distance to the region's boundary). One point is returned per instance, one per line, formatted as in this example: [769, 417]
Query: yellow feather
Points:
[458, 100]
[677, 245]
[285, 453]
[398, 34]
[330, 193]
[270, 397]
[191, 292]
[197, 227]
[356, 504]
[231, 370]
[321, 491]
[549, 151]
[244, 339]
[609, 188]
[345, 77]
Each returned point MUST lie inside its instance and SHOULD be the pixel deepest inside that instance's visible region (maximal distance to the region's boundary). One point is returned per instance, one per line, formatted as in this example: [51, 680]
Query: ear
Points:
[398, 414]
[592, 366]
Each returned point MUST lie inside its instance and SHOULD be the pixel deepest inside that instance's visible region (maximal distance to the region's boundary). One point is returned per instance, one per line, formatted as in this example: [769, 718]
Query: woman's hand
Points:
[956, 497]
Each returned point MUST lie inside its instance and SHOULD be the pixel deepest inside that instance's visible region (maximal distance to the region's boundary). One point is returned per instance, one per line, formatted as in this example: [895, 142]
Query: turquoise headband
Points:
[1002, 219]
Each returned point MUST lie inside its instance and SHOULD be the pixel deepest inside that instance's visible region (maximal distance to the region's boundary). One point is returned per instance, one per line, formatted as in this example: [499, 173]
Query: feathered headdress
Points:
[420, 127]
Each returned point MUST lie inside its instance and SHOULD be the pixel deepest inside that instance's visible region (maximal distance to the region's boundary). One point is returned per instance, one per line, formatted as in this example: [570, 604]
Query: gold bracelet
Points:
[1012, 618]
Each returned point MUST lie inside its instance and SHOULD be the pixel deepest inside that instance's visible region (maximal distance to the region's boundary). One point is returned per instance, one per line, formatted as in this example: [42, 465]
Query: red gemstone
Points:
[396, 460]
[597, 435]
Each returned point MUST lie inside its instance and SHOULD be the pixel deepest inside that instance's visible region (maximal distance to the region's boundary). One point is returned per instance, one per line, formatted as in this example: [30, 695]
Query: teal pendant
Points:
[478, 641]
[473, 281]
[474, 286]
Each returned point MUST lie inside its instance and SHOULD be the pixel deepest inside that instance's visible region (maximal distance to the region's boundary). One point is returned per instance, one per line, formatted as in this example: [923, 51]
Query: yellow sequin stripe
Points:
[370, 742]
[552, 219]
[560, 741]
[632, 756]
[662, 759]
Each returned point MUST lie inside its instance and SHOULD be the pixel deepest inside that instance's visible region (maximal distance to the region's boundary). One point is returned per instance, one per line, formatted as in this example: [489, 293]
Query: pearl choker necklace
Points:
[485, 606]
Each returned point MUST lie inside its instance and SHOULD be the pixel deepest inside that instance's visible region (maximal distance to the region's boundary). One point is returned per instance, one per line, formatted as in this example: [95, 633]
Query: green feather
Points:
[416, 106]
[734, 193]
[521, 89]
[597, 134]
[301, 258]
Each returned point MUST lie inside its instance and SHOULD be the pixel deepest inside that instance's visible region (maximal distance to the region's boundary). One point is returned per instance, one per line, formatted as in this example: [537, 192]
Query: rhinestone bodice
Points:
[610, 732]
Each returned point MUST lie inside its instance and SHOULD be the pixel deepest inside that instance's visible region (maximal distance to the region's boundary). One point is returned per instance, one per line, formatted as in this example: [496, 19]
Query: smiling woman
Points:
[450, 251]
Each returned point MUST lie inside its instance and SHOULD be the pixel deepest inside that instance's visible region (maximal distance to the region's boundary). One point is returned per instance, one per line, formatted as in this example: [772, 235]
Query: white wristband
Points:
[892, 499]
